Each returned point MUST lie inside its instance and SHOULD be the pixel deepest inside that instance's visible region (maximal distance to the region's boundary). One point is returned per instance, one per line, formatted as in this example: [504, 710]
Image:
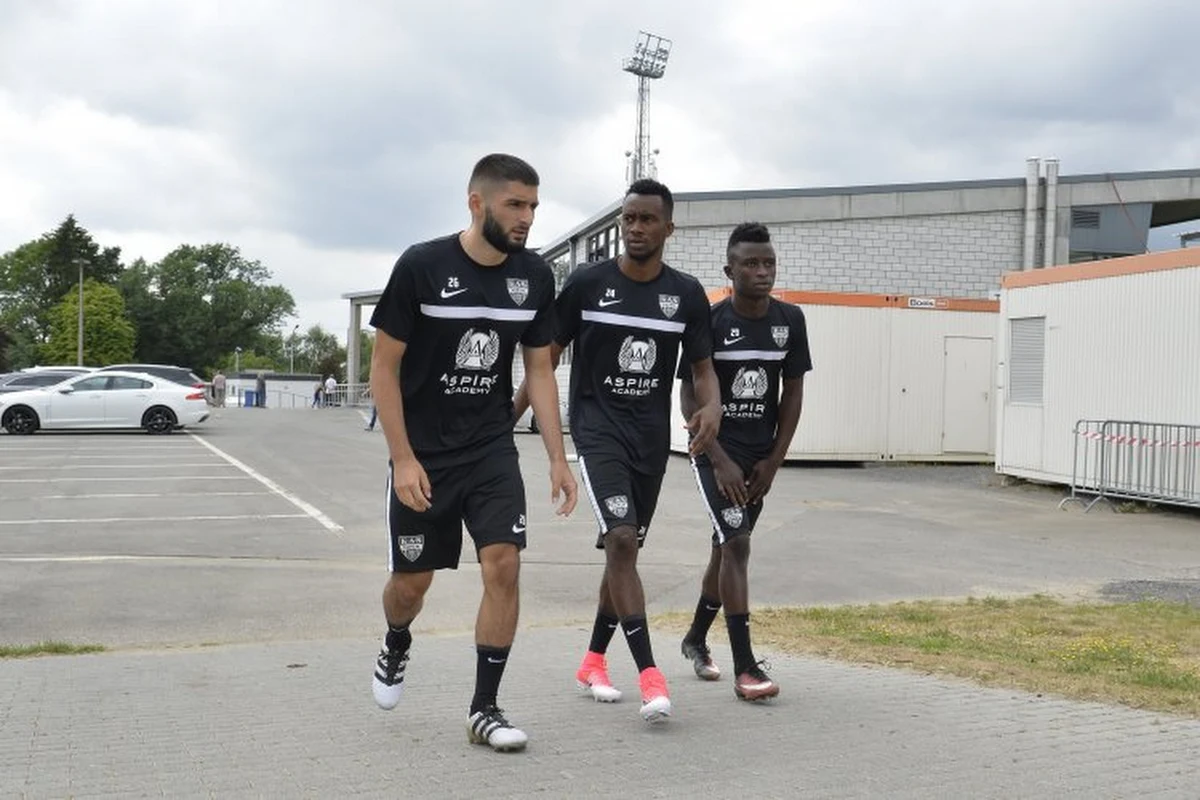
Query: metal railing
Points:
[1152, 461]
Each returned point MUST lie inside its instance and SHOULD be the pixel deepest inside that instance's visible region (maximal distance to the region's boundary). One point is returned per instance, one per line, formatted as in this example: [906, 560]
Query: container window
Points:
[1026, 359]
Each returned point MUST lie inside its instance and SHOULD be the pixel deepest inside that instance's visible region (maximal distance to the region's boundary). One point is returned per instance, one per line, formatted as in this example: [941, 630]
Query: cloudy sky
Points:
[323, 137]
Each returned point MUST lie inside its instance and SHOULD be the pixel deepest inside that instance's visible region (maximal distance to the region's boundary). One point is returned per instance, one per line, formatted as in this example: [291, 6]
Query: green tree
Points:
[197, 304]
[37, 275]
[108, 336]
[322, 353]
[365, 348]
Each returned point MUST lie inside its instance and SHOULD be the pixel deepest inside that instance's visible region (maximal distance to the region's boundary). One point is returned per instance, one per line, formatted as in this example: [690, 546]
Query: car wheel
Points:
[159, 420]
[20, 421]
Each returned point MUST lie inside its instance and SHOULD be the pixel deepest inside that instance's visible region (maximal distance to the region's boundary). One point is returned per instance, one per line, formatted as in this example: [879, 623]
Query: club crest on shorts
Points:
[780, 334]
[518, 290]
[411, 547]
[617, 505]
[669, 303]
[733, 516]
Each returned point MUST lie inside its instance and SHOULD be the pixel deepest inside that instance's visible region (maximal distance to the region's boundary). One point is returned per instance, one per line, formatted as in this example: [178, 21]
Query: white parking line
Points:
[197, 518]
[131, 479]
[126, 448]
[206, 465]
[306, 507]
[110, 456]
[148, 494]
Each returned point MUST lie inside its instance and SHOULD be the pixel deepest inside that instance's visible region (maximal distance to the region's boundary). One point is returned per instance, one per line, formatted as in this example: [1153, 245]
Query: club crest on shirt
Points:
[617, 505]
[733, 516]
[780, 334]
[411, 546]
[669, 303]
[518, 290]
[477, 350]
[750, 383]
[637, 355]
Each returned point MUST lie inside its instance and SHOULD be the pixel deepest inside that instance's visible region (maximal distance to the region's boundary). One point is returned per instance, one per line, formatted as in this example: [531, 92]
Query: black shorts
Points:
[488, 495]
[728, 518]
[620, 494]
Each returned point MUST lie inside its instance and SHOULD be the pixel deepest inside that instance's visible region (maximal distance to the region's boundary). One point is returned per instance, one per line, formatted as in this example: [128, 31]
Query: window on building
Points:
[1026, 360]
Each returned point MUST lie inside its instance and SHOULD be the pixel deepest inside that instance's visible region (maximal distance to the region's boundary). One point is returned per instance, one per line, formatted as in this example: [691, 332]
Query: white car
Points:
[104, 400]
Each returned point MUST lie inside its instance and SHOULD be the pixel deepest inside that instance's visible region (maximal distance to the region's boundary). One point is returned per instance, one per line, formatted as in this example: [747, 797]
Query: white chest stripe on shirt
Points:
[478, 312]
[628, 321]
[749, 355]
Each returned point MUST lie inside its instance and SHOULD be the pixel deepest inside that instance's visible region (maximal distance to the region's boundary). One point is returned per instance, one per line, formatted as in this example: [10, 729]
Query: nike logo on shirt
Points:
[446, 294]
[606, 303]
[734, 341]
[518, 528]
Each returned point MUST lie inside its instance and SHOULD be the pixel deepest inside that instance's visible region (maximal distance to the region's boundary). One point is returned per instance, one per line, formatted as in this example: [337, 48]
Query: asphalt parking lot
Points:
[234, 574]
[266, 524]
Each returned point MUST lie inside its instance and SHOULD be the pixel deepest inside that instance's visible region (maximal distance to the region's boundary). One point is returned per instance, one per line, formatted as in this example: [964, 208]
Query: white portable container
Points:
[894, 378]
[1117, 339]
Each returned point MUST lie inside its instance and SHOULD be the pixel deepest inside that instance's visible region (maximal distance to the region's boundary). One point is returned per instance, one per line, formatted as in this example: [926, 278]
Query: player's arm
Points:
[705, 422]
[411, 483]
[791, 401]
[541, 391]
[730, 480]
[521, 400]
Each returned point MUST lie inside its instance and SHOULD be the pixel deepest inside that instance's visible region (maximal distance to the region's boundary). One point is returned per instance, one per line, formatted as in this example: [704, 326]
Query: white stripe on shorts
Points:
[712, 513]
[587, 484]
[387, 515]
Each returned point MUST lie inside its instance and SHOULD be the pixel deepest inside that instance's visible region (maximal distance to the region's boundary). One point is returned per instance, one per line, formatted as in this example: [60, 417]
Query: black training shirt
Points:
[461, 322]
[627, 338]
[751, 358]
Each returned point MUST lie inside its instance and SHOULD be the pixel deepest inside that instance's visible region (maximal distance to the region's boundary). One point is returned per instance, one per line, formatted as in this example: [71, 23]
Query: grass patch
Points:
[1145, 654]
[48, 649]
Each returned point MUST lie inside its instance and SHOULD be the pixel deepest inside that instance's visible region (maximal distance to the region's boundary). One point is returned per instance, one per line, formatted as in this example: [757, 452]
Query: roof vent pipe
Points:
[1051, 236]
[1032, 169]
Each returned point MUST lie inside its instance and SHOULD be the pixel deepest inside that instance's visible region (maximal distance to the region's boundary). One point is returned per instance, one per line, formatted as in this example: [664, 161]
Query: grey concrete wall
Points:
[949, 255]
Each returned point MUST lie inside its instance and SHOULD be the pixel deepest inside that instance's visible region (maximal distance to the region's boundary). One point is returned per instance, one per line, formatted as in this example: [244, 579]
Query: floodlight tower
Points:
[649, 62]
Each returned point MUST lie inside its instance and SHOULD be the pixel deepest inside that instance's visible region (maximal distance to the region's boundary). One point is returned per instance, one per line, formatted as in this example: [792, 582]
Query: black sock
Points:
[706, 612]
[739, 641]
[398, 638]
[638, 637]
[602, 632]
[489, 669]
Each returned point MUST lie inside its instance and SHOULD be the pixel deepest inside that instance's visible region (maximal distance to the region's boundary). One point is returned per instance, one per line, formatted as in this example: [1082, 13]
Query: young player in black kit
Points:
[447, 326]
[760, 350]
[628, 317]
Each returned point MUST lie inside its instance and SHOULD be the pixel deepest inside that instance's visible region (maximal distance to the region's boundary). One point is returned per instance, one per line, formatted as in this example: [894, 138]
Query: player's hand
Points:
[562, 481]
[731, 483]
[762, 475]
[412, 484]
[704, 425]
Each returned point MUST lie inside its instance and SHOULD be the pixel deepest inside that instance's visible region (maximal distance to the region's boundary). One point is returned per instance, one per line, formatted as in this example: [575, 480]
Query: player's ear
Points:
[728, 271]
[475, 202]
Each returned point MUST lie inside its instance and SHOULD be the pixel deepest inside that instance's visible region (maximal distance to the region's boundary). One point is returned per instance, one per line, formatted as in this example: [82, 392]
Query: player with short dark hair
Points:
[760, 350]
[447, 326]
[628, 317]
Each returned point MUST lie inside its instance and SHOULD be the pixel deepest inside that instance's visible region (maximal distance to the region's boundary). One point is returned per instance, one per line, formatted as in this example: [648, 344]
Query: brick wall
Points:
[950, 255]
